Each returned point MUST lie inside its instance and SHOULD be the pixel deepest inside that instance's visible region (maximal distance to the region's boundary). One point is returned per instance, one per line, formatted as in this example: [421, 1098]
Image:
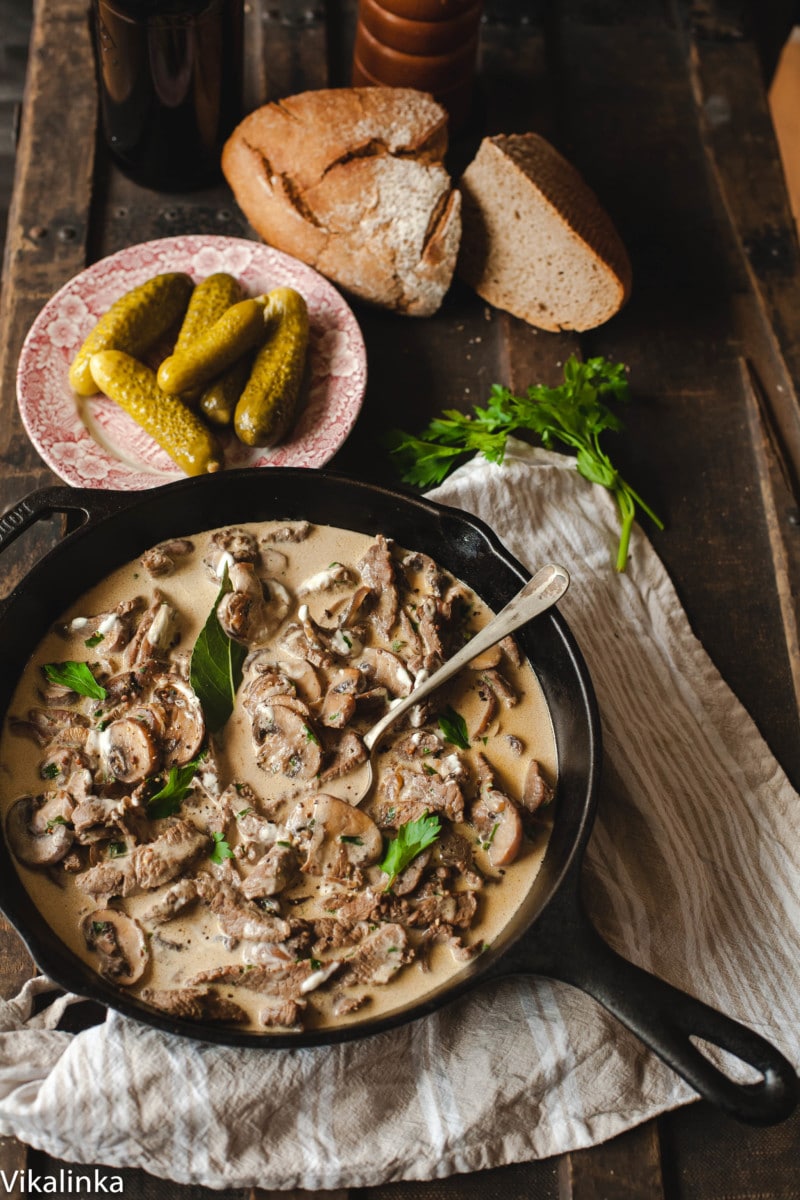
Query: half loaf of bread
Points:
[536, 240]
[351, 181]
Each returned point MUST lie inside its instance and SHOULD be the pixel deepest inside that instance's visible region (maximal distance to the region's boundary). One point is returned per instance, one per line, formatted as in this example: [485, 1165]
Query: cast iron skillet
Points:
[550, 935]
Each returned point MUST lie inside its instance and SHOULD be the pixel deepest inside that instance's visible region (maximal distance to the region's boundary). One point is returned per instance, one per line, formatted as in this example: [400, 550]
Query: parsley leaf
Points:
[221, 849]
[216, 667]
[454, 728]
[574, 414]
[167, 801]
[412, 838]
[94, 640]
[77, 676]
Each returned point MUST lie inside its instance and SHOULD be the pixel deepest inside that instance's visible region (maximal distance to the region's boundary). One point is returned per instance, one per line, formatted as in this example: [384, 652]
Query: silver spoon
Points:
[541, 592]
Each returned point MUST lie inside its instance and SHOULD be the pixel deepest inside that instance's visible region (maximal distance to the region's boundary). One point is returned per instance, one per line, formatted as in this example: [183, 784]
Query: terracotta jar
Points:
[427, 44]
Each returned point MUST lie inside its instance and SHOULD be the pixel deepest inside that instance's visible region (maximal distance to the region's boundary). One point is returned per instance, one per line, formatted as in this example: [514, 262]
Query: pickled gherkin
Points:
[238, 330]
[178, 430]
[268, 404]
[133, 324]
[213, 296]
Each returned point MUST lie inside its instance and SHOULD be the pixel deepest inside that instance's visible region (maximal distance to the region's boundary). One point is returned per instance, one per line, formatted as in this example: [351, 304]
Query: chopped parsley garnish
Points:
[351, 839]
[454, 728]
[76, 676]
[412, 838]
[117, 849]
[50, 771]
[221, 850]
[310, 735]
[59, 820]
[243, 813]
[315, 964]
[95, 640]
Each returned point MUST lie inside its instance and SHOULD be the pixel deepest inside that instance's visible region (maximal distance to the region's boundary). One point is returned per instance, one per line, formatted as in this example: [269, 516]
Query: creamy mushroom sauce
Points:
[322, 576]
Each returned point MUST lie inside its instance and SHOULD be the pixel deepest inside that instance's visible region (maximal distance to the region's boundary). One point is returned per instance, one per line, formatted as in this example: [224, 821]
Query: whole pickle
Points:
[209, 300]
[166, 418]
[133, 323]
[238, 330]
[268, 403]
[218, 402]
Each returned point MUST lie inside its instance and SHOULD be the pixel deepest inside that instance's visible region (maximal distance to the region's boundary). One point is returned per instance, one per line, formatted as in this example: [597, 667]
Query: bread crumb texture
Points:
[536, 240]
[351, 181]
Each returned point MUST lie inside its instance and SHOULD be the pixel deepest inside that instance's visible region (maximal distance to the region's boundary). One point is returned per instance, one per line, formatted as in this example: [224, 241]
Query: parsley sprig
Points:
[574, 414]
[412, 838]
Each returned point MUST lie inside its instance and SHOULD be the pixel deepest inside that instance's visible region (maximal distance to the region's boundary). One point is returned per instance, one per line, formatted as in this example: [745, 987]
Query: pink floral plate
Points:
[93, 443]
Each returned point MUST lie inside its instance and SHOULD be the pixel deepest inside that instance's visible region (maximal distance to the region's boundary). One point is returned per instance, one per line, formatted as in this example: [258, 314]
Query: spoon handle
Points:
[541, 592]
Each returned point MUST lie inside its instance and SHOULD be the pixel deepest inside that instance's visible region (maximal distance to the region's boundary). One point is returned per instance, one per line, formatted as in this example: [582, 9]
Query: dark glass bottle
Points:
[170, 77]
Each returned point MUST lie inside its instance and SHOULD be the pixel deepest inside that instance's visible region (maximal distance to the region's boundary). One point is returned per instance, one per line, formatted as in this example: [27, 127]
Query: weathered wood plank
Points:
[627, 1168]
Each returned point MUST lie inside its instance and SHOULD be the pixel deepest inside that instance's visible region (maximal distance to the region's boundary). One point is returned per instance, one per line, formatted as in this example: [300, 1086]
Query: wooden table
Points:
[663, 109]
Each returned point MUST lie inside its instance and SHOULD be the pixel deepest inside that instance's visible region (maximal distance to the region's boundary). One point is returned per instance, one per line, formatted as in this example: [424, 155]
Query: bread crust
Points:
[351, 181]
[537, 242]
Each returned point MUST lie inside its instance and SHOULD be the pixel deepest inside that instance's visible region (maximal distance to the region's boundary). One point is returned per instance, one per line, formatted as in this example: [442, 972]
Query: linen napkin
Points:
[692, 871]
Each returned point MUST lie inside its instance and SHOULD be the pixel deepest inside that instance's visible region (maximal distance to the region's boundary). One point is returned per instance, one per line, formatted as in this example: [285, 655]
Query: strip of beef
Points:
[174, 901]
[536, 791]
[436, 906]
[149, 866]
[194, 1004]
[356, 906]
[285, 1014]
[332, 934]
[44, 724]
[378, 573]
[288, 982]
[344, 754]
[272, 874]
[108, 631]
[379, 957]
[238, 917]
[406, 795]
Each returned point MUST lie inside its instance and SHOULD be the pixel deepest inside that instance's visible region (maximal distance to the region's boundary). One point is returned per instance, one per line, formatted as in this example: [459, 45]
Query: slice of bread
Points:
[351, 181]
[536, 241]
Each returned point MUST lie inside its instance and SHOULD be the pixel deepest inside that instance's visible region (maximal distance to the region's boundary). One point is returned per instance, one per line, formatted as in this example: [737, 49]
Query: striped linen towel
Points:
[691, 872]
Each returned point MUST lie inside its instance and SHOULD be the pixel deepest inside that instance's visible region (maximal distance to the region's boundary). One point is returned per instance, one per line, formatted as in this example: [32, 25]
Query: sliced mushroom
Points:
[384, 669]
[130, 750]
[242, 612]
[340, 701]
[264, 686]
[184, 726]
[489, 658]
[38, 839]
[499, 825]
[120, 944]
[486, 713]
[536, 791]
[335, 837]
[154, 635]
[500, 686]
[161, 559]
[286, 744]
[305, 677]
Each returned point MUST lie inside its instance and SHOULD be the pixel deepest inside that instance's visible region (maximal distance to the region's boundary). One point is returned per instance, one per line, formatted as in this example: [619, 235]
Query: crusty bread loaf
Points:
[536, 240]
[351, 181]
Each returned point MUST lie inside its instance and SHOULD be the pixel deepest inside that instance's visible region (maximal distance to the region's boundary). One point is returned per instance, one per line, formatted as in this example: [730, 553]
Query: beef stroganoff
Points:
[180, 759]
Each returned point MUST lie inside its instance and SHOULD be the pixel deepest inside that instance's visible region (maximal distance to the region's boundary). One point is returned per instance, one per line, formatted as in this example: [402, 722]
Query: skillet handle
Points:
[90, 504]
[665, 1018]
[79, 505]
